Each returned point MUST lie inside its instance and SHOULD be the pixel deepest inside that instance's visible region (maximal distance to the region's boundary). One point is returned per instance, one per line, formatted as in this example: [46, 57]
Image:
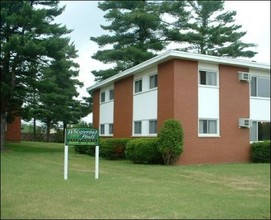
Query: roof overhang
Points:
[174, 54]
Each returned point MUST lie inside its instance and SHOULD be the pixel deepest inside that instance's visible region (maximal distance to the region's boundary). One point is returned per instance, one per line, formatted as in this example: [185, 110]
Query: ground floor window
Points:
[137, 127]
[260, 131]
[152, 126]
[102, 129]
[208, 127]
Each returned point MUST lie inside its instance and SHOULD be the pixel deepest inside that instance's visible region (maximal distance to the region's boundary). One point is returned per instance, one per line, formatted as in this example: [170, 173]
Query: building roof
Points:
[171, 54]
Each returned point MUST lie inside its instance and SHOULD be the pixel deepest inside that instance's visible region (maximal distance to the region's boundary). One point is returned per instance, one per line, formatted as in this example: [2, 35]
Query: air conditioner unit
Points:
[244, 122]
[244, 76]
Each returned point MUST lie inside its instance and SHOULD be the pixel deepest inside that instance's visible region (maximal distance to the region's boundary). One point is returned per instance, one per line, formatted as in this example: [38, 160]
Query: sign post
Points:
[81, 136]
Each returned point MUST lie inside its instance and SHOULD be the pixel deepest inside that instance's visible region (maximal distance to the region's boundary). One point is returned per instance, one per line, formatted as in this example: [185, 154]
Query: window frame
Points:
[102, 96]
[111, 94]
[257, 87]
[155, 83]
[141, 86]
[110, 128]
[257, 130]
[134, 130]
[206, 78]
[102, 129]
[217, 134]
[155, 132]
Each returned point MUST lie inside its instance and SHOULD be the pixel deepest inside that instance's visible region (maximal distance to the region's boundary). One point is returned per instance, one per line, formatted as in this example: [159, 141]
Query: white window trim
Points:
[210, 135]
[106, 130]
[208, 86]
[257, 97]
[149, 77]
[135, 80]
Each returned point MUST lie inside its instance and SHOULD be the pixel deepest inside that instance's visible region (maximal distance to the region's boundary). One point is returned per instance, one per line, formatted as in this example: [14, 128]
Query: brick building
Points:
[13, 130]
[222, 103]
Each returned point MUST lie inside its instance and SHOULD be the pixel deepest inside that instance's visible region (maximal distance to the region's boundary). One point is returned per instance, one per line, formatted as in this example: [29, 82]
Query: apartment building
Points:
[222, 103]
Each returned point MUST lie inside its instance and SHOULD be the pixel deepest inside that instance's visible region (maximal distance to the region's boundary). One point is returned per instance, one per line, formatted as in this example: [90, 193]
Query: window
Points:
[102, 129]
[208, 127]
[153, 81]
[260, 131]
[103, 97]
[260, 87]
[110, 128]
[208, 78]
[152, 126]
[138, 86]
[111, 94]
[137, 127]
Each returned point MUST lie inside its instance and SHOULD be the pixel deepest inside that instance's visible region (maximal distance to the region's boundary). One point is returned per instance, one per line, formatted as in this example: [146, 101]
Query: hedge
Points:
[113, 149]
[88, 149]
[260, 152]
[144, 150]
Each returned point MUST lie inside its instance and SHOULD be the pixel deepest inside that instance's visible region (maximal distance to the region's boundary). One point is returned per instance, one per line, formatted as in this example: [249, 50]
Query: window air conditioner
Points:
[243, 76]
[244, 123]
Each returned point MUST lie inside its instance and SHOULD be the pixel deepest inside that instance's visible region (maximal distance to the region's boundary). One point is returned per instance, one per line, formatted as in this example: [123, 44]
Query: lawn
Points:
[32, 186]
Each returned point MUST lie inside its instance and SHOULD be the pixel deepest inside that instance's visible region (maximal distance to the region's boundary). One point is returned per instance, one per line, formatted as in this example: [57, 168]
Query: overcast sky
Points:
[85, 18]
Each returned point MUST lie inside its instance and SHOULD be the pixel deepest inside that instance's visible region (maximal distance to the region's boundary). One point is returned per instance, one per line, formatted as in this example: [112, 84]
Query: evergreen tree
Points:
[209, 30]
[134, 38]
[28, 38]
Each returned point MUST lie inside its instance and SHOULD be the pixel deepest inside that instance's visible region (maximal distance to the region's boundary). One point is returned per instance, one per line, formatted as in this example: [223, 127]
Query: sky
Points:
[85, 18]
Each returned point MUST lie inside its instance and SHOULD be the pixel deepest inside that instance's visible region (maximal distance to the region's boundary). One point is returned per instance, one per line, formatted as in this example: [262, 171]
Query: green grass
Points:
[33, 187]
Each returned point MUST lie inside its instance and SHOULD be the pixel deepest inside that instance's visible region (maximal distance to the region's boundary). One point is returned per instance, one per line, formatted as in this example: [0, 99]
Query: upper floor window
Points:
[111, 94]
[138, 86]
[103, 97]
[208, 78]
[260, 87]
[153, 81]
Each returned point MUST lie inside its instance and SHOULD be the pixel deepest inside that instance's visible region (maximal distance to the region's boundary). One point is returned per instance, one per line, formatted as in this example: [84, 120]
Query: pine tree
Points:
[28, 38]
[134, 35]
[210, 30]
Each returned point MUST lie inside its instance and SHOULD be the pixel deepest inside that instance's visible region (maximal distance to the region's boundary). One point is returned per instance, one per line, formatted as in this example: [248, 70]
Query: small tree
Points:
[170, 143]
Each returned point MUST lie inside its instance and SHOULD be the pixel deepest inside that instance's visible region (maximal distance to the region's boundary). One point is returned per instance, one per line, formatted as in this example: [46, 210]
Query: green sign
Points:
[82, 136]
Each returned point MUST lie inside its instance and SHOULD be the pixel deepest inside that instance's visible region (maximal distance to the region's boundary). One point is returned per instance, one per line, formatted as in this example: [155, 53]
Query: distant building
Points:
[223, 104]
[13, 130]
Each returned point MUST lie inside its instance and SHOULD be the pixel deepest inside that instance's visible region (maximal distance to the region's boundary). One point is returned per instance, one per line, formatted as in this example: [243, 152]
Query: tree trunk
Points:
[3, 130]
[48, 122]
[34, 129]
[64, 130]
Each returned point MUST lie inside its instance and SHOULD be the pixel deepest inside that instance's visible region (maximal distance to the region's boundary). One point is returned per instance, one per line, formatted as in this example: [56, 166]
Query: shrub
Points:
[170, 141]
[260, 152]
[113, 149]
[88, 149]
[144, 150]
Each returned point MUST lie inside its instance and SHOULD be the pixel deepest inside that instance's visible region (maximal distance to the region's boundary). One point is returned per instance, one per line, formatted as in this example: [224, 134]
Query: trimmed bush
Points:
[88, 149]
[113, 149]
[260, 152]
[170, 143]
[144, 151]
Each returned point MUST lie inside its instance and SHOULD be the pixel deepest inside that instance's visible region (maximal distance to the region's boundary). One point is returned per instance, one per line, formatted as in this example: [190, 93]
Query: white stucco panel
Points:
[208, 102]
[145, 106]
[260, 109]
[107, 112]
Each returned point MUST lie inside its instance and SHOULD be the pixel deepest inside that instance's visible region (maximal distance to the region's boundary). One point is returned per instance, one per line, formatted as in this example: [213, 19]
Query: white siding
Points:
[107, 110]
[208, 103]
[259, 107]
[145, 102]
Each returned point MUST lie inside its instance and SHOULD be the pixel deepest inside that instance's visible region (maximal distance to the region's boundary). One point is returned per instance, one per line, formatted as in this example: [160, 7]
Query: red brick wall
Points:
[96, 108]
[123, 108]
[165, 92]
[13, 132]
[178, 98]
